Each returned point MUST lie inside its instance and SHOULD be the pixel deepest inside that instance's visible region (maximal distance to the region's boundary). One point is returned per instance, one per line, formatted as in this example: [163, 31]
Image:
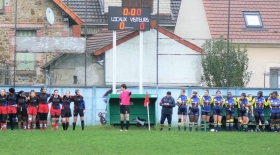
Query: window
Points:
[274, 78]
[252, 19]
[2, 6]
[138, 3]
[25, 61]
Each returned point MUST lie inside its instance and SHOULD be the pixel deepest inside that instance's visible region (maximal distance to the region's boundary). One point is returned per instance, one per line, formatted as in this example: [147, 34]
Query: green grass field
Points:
[109, 140]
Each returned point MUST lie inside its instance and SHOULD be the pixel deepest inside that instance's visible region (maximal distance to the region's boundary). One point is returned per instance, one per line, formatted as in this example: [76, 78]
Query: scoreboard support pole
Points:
[114, 61]
[141, 63]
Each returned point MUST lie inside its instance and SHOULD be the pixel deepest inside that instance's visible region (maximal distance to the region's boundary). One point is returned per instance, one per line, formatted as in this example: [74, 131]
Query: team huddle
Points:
[28, 107]
[215, 104]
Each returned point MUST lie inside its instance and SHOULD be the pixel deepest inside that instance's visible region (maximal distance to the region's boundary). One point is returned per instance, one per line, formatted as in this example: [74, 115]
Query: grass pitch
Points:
[109, 140]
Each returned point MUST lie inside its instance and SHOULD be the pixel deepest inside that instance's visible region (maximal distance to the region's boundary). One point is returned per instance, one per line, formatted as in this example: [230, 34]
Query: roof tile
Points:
[217, 11]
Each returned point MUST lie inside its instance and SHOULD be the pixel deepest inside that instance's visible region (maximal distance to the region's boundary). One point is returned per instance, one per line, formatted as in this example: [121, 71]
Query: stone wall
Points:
[30, 15]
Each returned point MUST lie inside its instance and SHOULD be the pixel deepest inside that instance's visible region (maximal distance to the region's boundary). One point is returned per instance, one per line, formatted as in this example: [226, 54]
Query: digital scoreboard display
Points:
[129, 18]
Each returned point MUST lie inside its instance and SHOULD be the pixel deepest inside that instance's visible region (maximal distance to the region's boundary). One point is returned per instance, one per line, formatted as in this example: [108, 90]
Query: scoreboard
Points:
[129, 18]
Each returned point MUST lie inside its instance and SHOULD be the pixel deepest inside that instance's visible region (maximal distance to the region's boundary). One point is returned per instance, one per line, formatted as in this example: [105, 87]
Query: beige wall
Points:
[163, 8]
[260, 62]
[192, 22]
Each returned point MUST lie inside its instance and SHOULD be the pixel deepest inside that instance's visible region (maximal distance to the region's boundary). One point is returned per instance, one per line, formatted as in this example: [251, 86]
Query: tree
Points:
[215, 67]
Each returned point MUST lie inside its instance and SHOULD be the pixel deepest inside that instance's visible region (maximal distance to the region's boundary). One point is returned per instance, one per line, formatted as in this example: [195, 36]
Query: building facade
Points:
[254, 25]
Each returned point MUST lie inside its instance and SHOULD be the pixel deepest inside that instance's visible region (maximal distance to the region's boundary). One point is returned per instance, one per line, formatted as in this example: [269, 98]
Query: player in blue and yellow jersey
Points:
[274, 103]
[205, 102]
[218, 110]
[79, 108]
[243, 105]
[182, 109]
[194, 103]
[229, 102]
[258, 104]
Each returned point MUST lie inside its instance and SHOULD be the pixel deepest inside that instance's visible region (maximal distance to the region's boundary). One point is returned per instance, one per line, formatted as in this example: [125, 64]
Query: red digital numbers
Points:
[125, 11]
[122, 25]
[139, 12]
[142, 26]
[132, 11]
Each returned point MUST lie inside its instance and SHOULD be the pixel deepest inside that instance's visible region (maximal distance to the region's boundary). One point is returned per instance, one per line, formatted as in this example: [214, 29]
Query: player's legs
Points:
[272, 121]
[19, 121]
[67, 123]
[63, 118]
[215, 117]
[53, 121]
[196, 115]
[63, 123]
[75, 118]
[68, 115]
[185, 120]
[219, 119]
[57, 121]
[169, 120]
[191, 115]
[203, 119]
[245, 119]
[277, 122]
[179, 119]
[25, 121]
[34, 121]
[207, 121]
[12, 118]
[82, 118]
[3, 121]
[228, 121]
[162, 119]
[257, 120]
[231, 123]
[262, 120]
[127, 120]
[122, 120]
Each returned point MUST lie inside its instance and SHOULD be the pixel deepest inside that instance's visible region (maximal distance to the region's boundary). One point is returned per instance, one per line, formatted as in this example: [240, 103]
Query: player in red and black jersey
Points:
[43, 108]
[12, 107]
[22, 109]
[56, 100]
[33, 102]
[3, 109]
[66, 111]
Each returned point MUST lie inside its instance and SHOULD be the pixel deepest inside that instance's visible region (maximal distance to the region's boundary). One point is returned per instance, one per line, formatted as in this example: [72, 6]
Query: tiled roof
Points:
[104, 37]
[70, 12]
[94, 15]
[217, 15]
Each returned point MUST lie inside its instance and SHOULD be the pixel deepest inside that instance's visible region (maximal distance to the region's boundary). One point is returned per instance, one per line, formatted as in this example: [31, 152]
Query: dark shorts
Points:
[22, 111]
[66, 113]
[125, 109]
[242, 112]
[218, 112]
[230, 112]
[258, 113]
[78, 112]
[206, 113]
[194, 112]
[182, 111]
